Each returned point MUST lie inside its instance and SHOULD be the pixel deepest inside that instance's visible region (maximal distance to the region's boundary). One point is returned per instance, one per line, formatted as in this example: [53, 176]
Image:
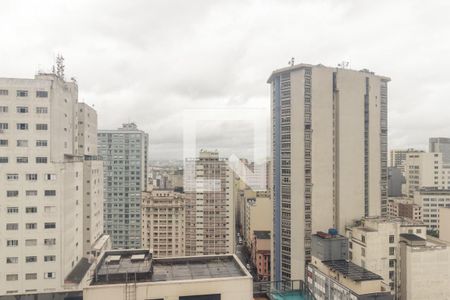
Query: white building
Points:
[51, 212]
[424, 268]
[397, 157]
[374, 245]
[134, 274]
[209, 214]
[163, 223]
[441, 145]
[431, 200]
[329, 138]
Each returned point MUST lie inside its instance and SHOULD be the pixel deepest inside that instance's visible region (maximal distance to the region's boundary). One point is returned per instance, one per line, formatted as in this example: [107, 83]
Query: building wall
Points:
[124, 152]
[431, 201]
[441, 145]
[395, 182]
[259, 211]
[444, 224]
[228, 288]
[329, 156]
[43, 207]
[163, 223]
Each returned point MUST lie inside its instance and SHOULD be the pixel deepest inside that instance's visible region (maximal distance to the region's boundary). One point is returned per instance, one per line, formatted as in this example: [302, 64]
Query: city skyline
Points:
[218, 55]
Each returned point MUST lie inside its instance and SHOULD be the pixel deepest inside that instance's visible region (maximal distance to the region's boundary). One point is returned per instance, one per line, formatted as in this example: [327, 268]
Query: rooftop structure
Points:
[351, 270]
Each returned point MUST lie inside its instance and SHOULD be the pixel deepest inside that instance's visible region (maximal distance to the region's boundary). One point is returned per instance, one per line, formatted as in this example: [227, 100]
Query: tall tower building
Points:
[329, 143]
[124, 152]
[442, 145]
[52, 198]
[209, 212]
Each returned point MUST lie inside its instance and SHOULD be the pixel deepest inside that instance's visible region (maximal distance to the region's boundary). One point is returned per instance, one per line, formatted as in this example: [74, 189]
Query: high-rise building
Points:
[442, 145]
[124, 152]
[329, 143]
[397, 158]
[208, 183]
[163, 222]
[52, 195]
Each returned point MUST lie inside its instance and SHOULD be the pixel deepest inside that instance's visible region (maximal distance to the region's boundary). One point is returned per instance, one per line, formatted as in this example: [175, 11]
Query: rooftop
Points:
[120, 266]
[351, 270]
[411, 237]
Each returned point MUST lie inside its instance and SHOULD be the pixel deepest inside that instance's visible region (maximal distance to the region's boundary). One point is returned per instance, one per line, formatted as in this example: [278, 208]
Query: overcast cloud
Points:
[147, 61]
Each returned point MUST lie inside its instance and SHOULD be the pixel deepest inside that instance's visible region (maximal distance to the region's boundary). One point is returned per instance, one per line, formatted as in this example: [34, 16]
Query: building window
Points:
[22, 109]
[12, 226]
[391, 250]
[31, 210]
[391, 263]
[12, 210]
[41, 160]
[363, 252]
[31, 225]
[22, 93]
[22, 160]
[3, 126]
[12, 193]
[12, 243]
[50, 193]
[12, 177]
[49, 242]
[41, 94]
[50, 177]
[3, 92]
[49, 275]
[391, 275]
[41, 110]
[22, 126]
[12, 277]
[30, 276]
[418, 230]
[31, 193]
[3, 143]
[3, 160]
[31, 177]
[41, 143]
[48, 258]
[3, 109]
[31, 242]
[51, 225]
[41, 127]
[12, 260]
[31, 259]
[22, 143]
[391, 239]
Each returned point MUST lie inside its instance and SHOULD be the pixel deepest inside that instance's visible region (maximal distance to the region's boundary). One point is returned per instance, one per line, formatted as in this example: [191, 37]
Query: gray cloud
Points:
[147, 61]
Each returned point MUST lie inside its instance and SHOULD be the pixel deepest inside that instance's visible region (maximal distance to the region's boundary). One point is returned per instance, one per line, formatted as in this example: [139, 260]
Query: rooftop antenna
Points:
[291, 62]
[60, 66]
[344, 64]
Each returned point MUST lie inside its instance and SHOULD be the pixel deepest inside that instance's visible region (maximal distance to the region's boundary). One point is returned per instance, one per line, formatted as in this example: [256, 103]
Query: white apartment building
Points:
[209, 214]
[424, 268]
[397, 157]
[425, 170]
[329, 144]
[51, 208]
[374, 245]
[163, 223]
[431, 200]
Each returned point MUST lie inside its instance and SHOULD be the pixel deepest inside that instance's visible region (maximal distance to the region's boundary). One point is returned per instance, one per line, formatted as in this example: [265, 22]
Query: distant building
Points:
[397, 158]
[258, 212]
[135, 274]
[431, 200]
[209, 212]
[396, 180]
[163, 223]
[260, 254]
[51, 187]
[329, 137]
[124, 152]
[424, 268]
[404, 207]
[374, 245]
[442, 145]
[331, 276]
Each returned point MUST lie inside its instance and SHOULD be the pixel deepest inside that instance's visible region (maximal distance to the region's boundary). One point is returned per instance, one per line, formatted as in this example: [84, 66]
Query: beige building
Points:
[397, 157]
[404, 207]
[374, 245]
[260, 254]
[329, 144]
[209, 212]
[52, 212]
[163, 223]
[424, 268]
[134, 274]
[444, 224]
[431, 200]
[258, 214]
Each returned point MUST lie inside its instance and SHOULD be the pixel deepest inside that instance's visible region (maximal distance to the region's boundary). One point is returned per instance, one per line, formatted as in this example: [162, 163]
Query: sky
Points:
[154, 62]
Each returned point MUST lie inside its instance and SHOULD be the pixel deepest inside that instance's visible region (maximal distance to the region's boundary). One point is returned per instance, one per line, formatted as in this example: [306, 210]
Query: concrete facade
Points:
[329, 139]
[441, 145]
[404, 207]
